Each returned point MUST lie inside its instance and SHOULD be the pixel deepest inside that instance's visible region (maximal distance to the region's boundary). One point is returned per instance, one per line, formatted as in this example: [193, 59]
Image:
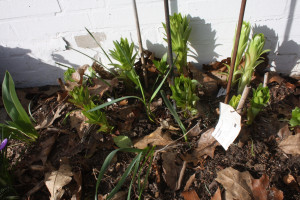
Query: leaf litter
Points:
[268, 151]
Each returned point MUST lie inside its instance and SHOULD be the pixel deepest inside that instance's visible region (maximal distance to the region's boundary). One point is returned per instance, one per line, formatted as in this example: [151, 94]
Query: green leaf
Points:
[173, 112]
[295, 120]
[123, 141]
[112, 102]
[98, 45]
[158, 88]
[107, 162]
[14, 108]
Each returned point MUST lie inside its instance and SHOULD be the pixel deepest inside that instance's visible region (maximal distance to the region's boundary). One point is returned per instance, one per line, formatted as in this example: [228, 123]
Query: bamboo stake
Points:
[266, 79]
[170, 54]
[243, 100]
[236, 44]
[140, 43]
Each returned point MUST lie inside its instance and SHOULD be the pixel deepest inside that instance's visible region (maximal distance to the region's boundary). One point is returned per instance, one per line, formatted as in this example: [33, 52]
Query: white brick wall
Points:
[32, 30]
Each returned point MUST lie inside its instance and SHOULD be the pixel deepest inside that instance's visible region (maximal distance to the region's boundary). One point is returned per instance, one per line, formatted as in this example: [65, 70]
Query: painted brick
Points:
[7, 33]
[24, 8]
[75, 5]
[31, 37]
[45, 27]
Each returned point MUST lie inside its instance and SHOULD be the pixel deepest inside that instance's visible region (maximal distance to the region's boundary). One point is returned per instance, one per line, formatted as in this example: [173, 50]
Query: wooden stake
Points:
[140, 43]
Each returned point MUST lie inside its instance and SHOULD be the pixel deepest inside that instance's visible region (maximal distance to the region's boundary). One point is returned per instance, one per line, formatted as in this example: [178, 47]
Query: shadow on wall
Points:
[202, 41]
[60, 59]
[26, 70]
[285, 56]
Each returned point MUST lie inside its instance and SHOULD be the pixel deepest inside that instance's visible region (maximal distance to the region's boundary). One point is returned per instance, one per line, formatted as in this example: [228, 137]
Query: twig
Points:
[181, 175]
[61, 83]
[243, 99]
[140, 43]
[236, 45]
[266, 79]
[169, 39]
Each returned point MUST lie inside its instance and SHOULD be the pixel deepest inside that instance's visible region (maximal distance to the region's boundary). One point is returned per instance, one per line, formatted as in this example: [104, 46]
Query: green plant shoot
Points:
[234, 101]
[180, 33]
[253, 58]
[68, 74]
[244, 37]
[162, 65]
[184, 93]
[143, 155]
[81, 98]
[295, 120]
[123, 53]
[261, 97]
[20, 127]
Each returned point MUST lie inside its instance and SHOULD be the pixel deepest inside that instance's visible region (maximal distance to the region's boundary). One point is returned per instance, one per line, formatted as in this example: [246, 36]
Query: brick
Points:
[24, 8]
[50, 26]
[75, 5]
[7, 32]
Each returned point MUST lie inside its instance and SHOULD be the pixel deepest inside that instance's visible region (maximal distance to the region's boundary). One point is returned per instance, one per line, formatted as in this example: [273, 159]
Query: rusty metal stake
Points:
[170, 54]
[140, 43]
[236, 44]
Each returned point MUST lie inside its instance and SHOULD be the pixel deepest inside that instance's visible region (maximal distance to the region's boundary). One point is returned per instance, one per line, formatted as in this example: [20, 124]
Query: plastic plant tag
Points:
[228, 127]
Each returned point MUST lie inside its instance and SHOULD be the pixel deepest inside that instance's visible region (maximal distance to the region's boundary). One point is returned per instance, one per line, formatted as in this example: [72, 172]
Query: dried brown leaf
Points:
[100, 86]
[237, 184]
[190, 195]
[78, 121]
[291, 182]
[189, 182]
[275, 194]
[259, 187]
[194, 131]
[48, 121]
[171, 166]
[121, 195]
[78, 179]
[56, 180]
[206, 145]
[157, 138]
[217, 195]
[284, 132]
[291, 145]
[274, 77]
[46, 147]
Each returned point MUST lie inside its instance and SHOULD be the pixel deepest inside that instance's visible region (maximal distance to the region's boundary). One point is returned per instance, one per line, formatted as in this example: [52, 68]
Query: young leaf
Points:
[295, 120]
[173, 112]
[20, 119]
[123, 141]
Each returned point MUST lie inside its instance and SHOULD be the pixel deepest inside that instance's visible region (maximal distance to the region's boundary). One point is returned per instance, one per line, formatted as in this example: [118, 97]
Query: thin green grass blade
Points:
[158, 88]
[97, 61]
[147, 173]
[112, 102]
[137, 164]
[63, 65]
[107, 162]
[173, 112]
[123, 178]
[29, 111]
[99, 45]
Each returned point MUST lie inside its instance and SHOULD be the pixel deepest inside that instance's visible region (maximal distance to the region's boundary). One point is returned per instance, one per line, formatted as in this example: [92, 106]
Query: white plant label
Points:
[228, 127]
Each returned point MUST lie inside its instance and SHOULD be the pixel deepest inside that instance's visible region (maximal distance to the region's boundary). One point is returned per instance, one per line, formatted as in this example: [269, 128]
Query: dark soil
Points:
[255, 150]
